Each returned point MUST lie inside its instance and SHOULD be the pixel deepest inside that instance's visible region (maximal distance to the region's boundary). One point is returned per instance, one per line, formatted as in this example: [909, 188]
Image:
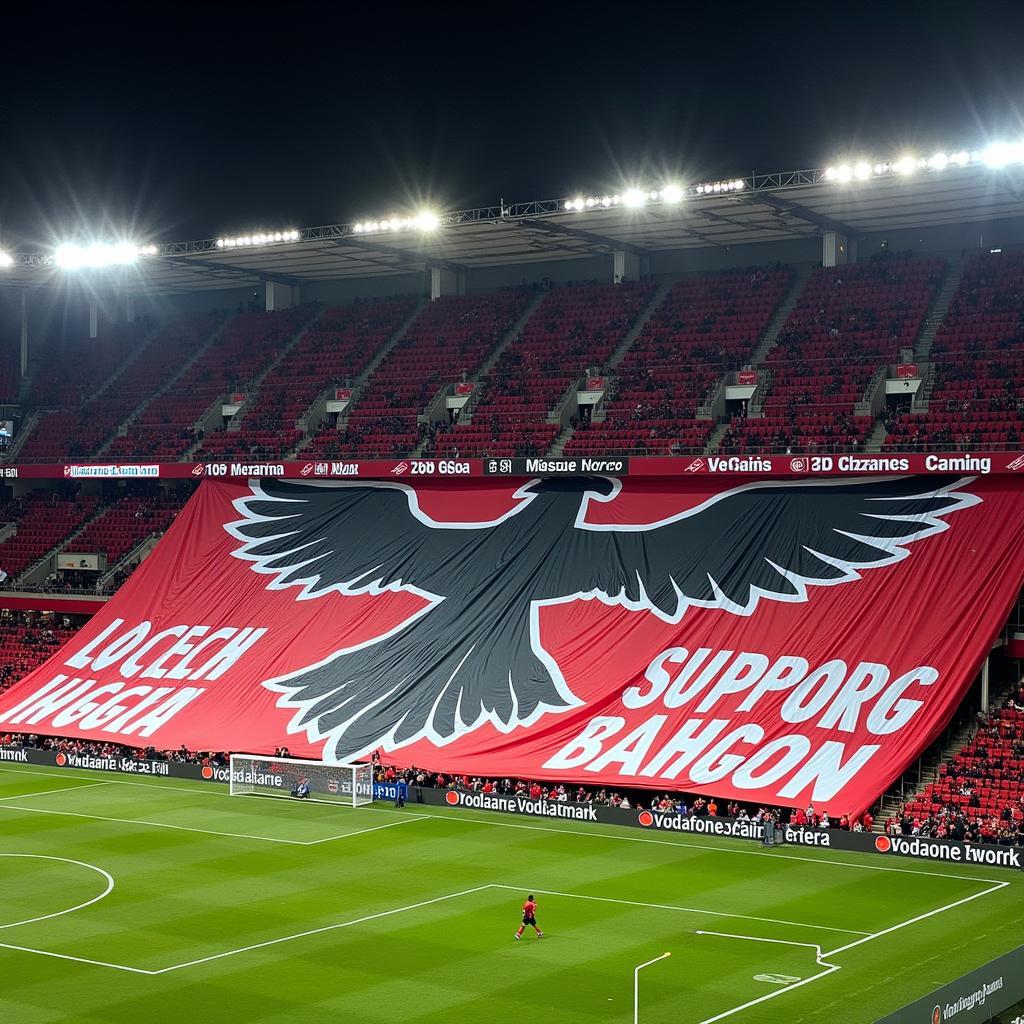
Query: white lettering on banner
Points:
[133, 645]
[66, 701]
[958, 464]
[833, 697]
[876, 464]
[739, 464]
[588, 744]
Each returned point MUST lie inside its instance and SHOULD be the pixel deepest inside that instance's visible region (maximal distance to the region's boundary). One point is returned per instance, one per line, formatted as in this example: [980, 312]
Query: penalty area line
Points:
[920, 917]
[690, 910]
[46, 792]
[823, 957]
[256, 945]
[325, 928]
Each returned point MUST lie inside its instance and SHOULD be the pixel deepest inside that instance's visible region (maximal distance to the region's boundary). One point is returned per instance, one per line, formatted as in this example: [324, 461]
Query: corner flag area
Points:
[131, 897]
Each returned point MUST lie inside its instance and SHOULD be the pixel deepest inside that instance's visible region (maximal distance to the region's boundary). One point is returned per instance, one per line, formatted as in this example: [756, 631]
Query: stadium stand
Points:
[849, 321]
[79, 432]
[981, 787]
[249, 342]
[42, 519]
[124, 524]
[27, 639]
[704, 327]
[575, 327]
[72, 367]
[450, 338]
[333, 352]
[976, 398]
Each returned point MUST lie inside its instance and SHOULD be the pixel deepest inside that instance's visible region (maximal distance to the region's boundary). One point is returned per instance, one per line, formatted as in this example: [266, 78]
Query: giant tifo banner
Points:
[770, 641]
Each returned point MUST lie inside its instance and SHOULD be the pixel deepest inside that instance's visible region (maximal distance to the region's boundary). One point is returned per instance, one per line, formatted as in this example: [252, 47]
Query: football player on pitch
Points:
[529, 918]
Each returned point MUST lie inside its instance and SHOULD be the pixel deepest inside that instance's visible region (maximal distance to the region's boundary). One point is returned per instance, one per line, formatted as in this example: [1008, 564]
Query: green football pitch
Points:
[126, 900]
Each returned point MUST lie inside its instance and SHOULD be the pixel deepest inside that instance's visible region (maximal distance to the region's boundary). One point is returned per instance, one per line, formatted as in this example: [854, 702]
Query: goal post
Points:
[350, 785]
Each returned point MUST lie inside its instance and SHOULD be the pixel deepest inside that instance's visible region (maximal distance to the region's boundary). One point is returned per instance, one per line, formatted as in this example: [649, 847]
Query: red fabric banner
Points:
[773, 641]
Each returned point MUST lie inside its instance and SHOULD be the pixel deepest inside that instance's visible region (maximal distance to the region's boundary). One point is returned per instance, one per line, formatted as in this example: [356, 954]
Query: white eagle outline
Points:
[293, 532]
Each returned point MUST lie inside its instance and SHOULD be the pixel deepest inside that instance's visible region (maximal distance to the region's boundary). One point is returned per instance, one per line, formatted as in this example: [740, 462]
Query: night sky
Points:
[167, 126]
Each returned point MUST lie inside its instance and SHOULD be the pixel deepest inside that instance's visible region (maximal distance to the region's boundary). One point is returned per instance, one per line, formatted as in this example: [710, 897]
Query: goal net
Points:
[348, 784]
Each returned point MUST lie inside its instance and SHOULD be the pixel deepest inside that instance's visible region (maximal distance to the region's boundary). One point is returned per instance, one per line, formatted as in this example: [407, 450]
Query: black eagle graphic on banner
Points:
[473, 654]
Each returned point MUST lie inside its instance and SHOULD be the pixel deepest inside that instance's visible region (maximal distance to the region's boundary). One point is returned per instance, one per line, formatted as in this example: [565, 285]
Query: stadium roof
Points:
[764, 208]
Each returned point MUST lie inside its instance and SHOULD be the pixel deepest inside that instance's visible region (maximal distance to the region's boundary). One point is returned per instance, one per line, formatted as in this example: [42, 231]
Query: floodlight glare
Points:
[844, 172]
[938, 162]
[905, 165]
[71, 256]
[672, 194]
[861, 170]
[961, 158]
[633, 198]
[427, 220]
[1000, 154]
[6, 259]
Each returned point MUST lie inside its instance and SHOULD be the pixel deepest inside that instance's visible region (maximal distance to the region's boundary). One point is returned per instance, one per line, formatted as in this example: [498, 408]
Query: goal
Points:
[347, 784]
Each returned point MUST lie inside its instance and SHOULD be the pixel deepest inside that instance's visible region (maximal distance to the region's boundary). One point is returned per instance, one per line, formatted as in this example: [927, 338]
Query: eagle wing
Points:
[347, 537]
[767, 540]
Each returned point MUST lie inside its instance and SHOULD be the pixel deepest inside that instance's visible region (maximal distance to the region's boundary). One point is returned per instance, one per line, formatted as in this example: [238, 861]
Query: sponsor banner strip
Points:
[747, 466]
[914, 848]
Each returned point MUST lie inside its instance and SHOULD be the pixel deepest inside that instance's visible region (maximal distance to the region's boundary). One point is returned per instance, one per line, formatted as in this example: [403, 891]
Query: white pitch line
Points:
[46, 792]
[149, 824]
[691, 910]
[207, 831]
[771, 995]
[820, 862]
[325, 928]
[60, 913]
[375, 828]
[77, 959]
[200, 788]
[920, 917]
[206, 789]
[158, 783]
[776, 942]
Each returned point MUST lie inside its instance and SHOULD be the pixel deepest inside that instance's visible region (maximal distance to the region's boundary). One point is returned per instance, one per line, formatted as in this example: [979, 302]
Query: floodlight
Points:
[71, 256]
[578, 203]
[427, 220]
[831, 174]
[672, 194]
[1000, 154]
[861, 170]
[844, 172]
[6, 259]
[961, 158]
[905, 165]
[633, 198]
[938, 161]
